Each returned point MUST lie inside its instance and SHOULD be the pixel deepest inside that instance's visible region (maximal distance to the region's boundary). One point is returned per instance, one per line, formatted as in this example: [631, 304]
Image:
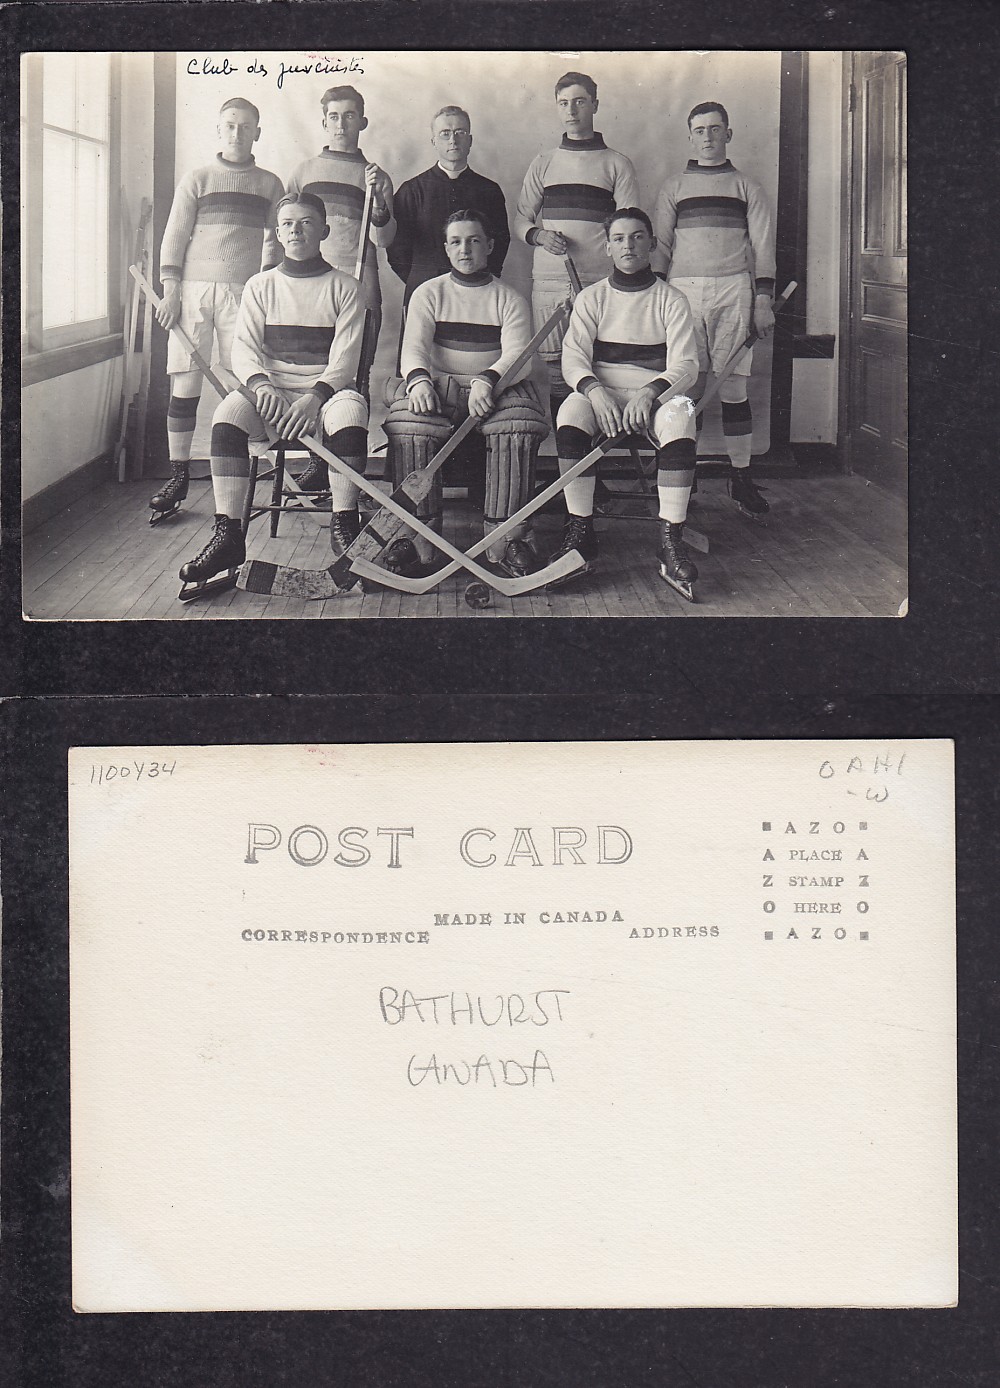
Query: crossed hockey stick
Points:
[562, 567]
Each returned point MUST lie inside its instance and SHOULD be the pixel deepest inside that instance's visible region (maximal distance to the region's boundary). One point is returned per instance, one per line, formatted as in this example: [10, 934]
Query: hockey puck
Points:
[478, 594]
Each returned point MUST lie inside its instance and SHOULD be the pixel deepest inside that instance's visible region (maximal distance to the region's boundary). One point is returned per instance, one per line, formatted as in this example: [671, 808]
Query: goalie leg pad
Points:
[413, 441]
[513, 434]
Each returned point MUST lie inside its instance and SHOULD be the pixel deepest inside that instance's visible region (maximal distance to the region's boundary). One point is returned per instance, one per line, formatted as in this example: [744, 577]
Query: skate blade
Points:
[759, 517]
[588, 567]
[686, 590]
[194, 589]
[157, 516]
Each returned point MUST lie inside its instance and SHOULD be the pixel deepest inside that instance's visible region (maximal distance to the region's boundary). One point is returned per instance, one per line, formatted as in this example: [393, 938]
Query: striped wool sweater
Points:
[630, 331]
[339, 179]
[221, 224]
[713, 220]
[464, 326]
[299, 327]
[572, 189]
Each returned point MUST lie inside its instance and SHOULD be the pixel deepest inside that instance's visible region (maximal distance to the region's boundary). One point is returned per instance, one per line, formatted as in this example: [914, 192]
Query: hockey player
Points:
[566, 196]
[628, 340]
[220, 232]
[296, 347]
[463, 331]
[713, 226]
[423, 204]
[340, 175]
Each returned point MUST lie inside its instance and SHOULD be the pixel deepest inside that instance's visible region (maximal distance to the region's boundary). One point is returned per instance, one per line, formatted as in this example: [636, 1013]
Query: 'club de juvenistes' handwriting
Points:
[318, 65]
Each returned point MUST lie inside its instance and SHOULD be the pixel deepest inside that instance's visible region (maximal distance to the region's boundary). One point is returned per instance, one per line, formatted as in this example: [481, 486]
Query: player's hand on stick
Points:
[607, 411]
[480, 399]
[552, 241]
[169, 310]
[375, 178]
[423, 399]
[271, 404]
[638, 411]
[300, 417]
[763, 316]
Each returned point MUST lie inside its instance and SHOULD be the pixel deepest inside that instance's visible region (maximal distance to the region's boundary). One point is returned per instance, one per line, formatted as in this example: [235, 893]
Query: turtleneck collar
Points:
[246, 163]
[596, 141]
[481, 277]
[303, 269]
[356, 158]
[642, 279]
[695, 167]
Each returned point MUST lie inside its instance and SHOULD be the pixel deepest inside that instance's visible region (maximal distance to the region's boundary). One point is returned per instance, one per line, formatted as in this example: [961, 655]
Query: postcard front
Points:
[603, 1024]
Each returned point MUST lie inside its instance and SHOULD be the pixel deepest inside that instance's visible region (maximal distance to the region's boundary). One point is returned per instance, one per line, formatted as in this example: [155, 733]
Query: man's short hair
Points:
[343, 94]
[470, 214]
[241, 103]
[452, 111]
[703, 108]
[620, 214]
[303, 200]
[578, 79]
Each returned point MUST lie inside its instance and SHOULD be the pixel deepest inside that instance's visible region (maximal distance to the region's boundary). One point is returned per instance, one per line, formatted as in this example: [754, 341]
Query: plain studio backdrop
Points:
[644, 100]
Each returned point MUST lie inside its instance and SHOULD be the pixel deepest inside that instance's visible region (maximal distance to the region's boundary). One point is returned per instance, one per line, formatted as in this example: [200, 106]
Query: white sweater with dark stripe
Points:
[630, 331]
[221, 224]
[714, 220]
[465, 326]
[572, 189]
[299, 327]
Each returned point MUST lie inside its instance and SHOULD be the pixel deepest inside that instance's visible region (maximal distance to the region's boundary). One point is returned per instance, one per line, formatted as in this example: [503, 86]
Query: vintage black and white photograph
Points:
[389, 334]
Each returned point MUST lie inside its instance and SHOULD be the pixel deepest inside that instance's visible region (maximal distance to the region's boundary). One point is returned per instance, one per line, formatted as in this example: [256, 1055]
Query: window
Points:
[70, 261]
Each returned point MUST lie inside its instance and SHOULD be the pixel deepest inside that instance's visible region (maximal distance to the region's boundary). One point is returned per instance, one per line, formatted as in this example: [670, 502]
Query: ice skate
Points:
[167, 501]
[226, 550]
[345, 526]
[314, 478]
[743, 491]
[578, 534]
[519, 559]
[676, 567]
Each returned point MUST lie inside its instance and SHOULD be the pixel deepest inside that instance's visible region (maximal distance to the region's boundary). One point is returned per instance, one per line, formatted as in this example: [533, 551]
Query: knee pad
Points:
[516, 410]
[413, 441]
[673, 420]
[733, 391]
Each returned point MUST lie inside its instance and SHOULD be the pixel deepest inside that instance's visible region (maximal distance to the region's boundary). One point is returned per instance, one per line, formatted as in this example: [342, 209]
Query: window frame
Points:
[50, 352]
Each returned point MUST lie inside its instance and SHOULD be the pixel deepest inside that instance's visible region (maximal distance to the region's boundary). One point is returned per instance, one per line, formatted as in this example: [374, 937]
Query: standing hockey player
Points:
[629, 339]
[463, 331]
[566, 196]
[340, 175]
[220, 232]
[423, 204]
[296, 347]
[713, 226]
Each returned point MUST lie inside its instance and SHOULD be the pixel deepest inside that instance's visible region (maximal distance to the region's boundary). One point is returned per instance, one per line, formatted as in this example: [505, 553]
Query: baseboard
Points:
[41, 507]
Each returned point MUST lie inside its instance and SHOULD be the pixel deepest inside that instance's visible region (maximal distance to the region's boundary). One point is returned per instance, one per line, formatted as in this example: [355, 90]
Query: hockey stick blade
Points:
[277, 580]
[563, 567]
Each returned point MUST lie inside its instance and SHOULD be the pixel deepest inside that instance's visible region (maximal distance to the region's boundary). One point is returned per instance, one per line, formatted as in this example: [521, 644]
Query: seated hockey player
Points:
[220, 232]
[296, 348]
[463, 331]
[630, 338]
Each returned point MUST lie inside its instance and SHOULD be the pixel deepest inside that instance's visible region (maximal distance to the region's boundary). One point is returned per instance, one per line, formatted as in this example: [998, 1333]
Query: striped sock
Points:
[182, 412]
[674, 476]
[230, 469]
[351, 446]
[573, 444]
[737, 425]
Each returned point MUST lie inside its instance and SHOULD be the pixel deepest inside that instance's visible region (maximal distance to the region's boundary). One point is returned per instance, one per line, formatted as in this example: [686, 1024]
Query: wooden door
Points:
[876, 330]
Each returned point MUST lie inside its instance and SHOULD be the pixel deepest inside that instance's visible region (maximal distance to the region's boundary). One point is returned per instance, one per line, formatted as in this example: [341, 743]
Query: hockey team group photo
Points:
[463, 334]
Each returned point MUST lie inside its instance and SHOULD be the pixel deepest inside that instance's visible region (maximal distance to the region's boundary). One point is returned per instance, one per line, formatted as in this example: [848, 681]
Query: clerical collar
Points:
[246, 163]
[695, 167]
[452, 173]
[596, 141]
[303, 269]
[479, 278]
[642, 279]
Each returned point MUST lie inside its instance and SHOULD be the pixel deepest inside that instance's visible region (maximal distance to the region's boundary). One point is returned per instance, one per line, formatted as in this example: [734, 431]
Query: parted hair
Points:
[452, 111]
[303, 200]
[241, 103]
[578, 79]
[470, 214]
[633, 214]
[343, 94]
[703, 108]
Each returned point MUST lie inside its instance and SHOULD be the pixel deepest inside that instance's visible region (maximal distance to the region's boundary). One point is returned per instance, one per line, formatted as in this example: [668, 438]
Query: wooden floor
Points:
[832, 546]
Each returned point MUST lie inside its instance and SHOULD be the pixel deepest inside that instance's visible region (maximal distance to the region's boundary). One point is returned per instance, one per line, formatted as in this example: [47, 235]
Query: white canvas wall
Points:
[644, 100]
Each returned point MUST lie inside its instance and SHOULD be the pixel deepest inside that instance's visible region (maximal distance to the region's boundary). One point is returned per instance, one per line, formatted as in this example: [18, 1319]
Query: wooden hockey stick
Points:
[424, 585]
[129, 387]
[740, 352]
[366, 222]
[511, 587]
